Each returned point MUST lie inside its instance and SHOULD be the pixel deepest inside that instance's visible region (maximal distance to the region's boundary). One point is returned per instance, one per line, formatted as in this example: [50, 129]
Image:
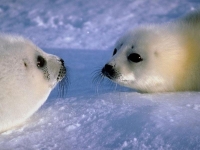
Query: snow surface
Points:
[106, 116]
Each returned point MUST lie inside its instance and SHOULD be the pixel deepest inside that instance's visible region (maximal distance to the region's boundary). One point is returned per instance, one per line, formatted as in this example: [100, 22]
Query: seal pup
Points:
[158, 57]
[27, 77]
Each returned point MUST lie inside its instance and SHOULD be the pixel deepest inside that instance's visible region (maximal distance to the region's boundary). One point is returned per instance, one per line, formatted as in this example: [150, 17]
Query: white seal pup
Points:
[27, 77]
[158, 58]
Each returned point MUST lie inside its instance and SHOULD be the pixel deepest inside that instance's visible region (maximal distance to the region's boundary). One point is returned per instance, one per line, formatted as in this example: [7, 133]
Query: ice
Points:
[105, 116]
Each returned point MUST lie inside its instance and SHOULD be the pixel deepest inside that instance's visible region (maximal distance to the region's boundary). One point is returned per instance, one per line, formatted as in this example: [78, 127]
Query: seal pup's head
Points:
[155, 58]
[27, 77]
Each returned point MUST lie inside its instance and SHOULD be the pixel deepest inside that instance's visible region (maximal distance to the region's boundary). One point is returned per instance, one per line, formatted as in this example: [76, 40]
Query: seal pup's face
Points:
[127, 61]
[144, 59]
[158, 58]
[40, 66]
[27, 77]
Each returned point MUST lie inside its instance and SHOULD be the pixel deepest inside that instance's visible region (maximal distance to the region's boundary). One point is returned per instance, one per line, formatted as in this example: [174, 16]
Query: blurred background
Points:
[85, 24]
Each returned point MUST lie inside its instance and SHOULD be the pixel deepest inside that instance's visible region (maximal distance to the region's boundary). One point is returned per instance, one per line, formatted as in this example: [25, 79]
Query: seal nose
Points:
[109, 71]
[62, 62]
[62, 71]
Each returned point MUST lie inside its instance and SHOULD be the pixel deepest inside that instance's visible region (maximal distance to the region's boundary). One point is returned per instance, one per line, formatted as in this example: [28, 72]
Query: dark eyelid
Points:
[115, 51]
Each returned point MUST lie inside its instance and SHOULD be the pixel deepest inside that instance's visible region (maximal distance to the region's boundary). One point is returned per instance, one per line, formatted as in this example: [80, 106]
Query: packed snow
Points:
[98, 116]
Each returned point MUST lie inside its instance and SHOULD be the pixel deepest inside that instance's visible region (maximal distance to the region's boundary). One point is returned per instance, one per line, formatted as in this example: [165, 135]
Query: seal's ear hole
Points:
[24, 61]
[134, 57]
[156, 53]
[41, 62]
[25, 64]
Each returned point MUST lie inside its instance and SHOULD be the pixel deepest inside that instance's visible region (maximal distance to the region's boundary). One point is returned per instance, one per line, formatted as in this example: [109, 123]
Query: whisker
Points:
[116, 85]
[112, 84]
[98, 78]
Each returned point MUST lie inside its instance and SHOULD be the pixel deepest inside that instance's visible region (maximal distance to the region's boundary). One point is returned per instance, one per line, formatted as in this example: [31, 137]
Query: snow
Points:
[105, 116]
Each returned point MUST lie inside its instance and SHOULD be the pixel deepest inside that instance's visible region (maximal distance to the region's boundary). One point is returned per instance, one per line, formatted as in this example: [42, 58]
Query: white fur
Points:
[23, 86]
[170, 52]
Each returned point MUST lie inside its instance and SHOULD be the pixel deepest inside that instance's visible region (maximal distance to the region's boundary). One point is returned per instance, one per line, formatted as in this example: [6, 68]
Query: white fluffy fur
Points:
[170, 52]
[23, 87]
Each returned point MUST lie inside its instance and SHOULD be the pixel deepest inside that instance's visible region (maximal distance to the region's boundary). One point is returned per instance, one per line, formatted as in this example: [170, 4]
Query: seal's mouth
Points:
[110, 72]
[62, 71]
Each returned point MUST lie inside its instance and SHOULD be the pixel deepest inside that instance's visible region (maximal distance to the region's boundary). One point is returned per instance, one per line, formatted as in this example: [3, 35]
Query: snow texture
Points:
[105, 116]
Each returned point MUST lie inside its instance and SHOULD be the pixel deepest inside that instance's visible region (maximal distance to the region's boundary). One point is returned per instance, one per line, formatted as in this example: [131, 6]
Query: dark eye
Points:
[115, 51]
[134, 57]
[41, 61]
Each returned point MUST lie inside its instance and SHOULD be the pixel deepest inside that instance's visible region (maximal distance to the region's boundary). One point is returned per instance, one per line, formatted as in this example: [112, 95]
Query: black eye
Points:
[40, 61]
[134, 57]
[115, 51]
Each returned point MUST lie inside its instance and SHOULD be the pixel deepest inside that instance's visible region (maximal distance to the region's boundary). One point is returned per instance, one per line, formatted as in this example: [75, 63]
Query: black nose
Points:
[62, 62]
[62, 71]
[109, 71]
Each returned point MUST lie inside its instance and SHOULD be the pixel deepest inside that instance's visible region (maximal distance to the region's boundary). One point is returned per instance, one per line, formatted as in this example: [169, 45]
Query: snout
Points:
[109, 71]
[62, 71]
